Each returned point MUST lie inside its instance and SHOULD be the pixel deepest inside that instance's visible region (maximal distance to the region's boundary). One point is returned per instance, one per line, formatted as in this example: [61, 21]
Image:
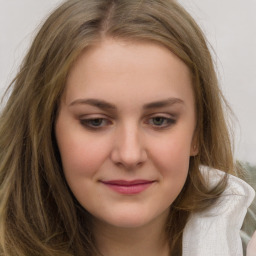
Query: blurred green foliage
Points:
[249, 225]
[250, 175]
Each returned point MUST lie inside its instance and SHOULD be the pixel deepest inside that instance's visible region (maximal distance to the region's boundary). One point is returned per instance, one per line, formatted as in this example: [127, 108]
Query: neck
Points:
[150, 239]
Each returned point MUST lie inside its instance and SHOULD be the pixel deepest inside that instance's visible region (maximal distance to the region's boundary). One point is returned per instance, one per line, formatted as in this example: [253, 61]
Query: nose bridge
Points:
[129, 148]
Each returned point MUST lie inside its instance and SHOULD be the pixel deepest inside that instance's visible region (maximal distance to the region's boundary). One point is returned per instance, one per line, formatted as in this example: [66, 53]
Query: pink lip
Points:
[128, 187]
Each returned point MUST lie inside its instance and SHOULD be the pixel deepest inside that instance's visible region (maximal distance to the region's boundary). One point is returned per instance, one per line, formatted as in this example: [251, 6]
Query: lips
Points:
[127, 183]
[128, 187]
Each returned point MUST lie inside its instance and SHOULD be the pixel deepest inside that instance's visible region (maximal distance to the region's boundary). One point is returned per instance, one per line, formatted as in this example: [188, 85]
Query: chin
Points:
[133, 219]
[130, 223]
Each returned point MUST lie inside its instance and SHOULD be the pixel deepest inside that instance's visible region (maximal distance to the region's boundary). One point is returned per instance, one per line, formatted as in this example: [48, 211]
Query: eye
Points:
[95, 123]
[161, 122]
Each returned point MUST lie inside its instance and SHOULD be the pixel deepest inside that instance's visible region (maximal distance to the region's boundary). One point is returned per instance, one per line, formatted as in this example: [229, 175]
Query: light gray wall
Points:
[230, 26]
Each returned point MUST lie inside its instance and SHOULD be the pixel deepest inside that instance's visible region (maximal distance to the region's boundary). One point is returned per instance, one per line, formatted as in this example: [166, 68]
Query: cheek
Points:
[174, 150]
[81, 153]
[82, 161]
[171, 157]
[83, 156]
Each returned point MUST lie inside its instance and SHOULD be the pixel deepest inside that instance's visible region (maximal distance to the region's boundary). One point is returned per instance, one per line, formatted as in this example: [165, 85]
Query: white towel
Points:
[215, 231]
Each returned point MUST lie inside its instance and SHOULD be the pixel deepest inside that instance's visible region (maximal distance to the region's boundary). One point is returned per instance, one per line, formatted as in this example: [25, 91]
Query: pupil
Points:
[96, 122]
[158, 120]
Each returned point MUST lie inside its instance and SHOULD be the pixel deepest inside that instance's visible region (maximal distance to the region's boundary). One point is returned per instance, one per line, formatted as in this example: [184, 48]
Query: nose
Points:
[129, 150]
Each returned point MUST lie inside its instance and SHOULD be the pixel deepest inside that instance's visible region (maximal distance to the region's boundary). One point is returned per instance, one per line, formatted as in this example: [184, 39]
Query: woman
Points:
[114, 113]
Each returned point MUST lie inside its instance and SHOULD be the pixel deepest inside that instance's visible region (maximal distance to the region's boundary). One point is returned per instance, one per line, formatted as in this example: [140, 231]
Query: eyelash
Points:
[103, 122]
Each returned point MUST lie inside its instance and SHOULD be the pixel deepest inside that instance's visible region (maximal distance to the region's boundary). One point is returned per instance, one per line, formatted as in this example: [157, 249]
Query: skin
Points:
[132, 139]
[251, 248]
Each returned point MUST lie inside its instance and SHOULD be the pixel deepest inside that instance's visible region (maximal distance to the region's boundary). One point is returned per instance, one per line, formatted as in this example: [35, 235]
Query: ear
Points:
[194, 148]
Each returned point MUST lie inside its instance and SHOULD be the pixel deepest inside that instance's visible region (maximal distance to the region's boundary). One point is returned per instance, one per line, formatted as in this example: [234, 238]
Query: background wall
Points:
[230, 26]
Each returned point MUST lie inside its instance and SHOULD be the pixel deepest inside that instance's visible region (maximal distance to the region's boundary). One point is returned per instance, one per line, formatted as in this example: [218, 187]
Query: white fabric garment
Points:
[215, 231]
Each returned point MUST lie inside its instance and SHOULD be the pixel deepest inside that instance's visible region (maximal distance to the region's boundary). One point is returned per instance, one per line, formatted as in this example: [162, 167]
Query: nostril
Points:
[129, 150]
[128, 161]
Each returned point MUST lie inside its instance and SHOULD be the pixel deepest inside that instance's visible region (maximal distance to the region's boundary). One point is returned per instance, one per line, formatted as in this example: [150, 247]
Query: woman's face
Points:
[125, 131]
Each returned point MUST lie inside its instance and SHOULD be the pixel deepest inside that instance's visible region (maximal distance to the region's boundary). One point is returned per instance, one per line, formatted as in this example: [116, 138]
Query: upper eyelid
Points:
[163, 115]
[94, 116]
[108, 117]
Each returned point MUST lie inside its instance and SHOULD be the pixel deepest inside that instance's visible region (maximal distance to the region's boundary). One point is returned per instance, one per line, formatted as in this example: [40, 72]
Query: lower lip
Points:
[129, 189]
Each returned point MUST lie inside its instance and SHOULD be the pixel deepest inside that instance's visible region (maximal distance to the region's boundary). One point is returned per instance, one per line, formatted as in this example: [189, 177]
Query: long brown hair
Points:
[38, 214]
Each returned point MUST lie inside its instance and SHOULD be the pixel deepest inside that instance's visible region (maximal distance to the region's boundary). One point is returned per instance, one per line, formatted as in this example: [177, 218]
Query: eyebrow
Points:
[94, 102]
[163, 103]
[102, 104]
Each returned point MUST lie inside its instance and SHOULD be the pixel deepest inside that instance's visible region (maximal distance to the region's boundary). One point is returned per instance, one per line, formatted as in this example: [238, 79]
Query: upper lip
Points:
[127, 182]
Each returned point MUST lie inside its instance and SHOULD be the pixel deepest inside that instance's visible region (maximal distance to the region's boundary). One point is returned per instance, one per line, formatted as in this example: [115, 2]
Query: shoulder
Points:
[215, 231]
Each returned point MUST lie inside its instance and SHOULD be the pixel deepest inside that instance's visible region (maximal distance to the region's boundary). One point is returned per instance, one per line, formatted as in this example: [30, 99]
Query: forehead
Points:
[131, 69]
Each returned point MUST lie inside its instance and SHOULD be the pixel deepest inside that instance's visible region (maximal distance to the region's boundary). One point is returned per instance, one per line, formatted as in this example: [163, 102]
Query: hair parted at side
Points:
[38, 214]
